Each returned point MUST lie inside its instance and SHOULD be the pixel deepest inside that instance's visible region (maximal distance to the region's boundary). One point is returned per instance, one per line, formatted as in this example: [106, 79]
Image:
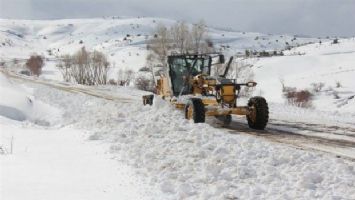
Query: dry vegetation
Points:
[84, 67]
[124, 77]
[180, 38]
[300, 98]
[34, 64]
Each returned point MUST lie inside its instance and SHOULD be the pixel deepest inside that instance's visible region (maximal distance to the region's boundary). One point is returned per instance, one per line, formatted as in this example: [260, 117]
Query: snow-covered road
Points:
[182, 160]
[335, 135]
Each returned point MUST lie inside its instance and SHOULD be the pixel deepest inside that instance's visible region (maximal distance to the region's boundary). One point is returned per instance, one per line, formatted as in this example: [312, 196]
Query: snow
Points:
[17, 103]
[21, 38]
[326, 63]
[196, 161]
[78, 142]
[60, 164]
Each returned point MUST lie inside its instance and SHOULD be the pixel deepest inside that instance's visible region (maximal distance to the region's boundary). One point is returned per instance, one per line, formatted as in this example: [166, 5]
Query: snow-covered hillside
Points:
[123, 40]
[333, 65]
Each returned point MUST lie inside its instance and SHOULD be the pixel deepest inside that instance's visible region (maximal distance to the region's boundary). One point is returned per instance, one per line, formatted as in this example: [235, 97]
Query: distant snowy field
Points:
[123, 40]
[325, 63]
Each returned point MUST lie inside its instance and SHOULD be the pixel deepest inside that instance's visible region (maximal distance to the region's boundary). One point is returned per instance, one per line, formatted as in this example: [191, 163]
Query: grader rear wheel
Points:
[195, 110]
[259, 113]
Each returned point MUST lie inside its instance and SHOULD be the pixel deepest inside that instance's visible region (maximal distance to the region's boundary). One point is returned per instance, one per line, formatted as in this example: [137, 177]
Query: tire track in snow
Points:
[338, 147]
[69, 88]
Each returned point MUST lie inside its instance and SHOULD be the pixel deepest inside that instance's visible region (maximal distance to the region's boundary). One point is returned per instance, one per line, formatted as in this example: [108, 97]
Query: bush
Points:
[35, 64]
[301, 98]
[144, 83]
[317, 87]
[335, 41]
[336, 95]
[338, 84]
[112, 82]
[124, 77]
[84, 67]
[144, 69]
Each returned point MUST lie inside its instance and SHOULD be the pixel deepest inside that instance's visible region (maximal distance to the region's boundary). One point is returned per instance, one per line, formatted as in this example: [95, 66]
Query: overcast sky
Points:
[308, 17]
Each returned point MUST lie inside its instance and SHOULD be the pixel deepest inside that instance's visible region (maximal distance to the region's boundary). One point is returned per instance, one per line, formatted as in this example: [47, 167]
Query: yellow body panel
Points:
[228, 94]
[199, 84]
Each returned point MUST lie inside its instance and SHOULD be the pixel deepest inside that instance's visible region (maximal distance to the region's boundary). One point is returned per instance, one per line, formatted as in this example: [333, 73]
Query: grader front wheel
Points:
[259, 113]
[195, 110]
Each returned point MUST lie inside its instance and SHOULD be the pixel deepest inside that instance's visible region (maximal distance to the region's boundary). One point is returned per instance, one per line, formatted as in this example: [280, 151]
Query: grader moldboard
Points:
[190, 87]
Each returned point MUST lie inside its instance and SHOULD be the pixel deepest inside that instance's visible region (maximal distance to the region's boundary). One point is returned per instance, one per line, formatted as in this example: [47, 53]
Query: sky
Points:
[301, 17]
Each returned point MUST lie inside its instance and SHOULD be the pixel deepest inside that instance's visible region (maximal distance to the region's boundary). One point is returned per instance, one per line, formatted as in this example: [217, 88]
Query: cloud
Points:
[310, 17]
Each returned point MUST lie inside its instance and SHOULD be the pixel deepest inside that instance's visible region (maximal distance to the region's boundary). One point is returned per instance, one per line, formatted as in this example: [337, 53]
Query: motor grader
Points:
[189, 86]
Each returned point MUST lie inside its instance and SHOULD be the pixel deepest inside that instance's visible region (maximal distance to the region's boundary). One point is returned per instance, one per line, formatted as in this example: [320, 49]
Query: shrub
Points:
[112, 82]
[335, 41]
[336, 95]
[317, 87]
[124, 77]
[247, 53]
[84, 67]
[144, 69]
[35, 64]
[144, 83]
[338, 84]
[301, 98]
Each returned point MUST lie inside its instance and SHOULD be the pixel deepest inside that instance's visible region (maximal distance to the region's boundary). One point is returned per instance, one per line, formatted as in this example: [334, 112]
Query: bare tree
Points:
[84, 67]
[124, 77]
[181, 37]
[160, 45]
[198, 36]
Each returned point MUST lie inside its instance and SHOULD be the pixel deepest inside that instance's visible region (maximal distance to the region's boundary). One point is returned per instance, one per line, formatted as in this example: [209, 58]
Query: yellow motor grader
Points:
[189, 86]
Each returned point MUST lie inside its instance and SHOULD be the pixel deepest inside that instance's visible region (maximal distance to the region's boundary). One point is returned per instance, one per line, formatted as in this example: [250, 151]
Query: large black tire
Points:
[198, 110]
[258, 118]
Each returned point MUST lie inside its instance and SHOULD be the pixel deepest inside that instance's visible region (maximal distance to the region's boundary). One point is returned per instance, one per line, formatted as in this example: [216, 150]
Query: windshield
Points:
[182, 68]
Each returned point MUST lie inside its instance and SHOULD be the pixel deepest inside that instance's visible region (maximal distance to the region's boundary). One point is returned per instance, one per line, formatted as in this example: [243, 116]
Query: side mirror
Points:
[221, 59]
[251, 84]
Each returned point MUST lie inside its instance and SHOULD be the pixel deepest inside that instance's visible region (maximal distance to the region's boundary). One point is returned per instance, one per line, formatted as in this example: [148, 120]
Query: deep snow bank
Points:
[196, 161]
[59, 164]
[17, 103]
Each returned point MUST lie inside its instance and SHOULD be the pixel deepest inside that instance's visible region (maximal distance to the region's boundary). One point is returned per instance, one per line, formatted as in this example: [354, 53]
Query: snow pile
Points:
[18, 104]
[57, 164]
[196, 161]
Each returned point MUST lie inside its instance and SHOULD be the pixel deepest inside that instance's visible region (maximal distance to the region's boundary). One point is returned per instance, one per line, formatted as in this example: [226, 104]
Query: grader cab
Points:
[190, 86]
